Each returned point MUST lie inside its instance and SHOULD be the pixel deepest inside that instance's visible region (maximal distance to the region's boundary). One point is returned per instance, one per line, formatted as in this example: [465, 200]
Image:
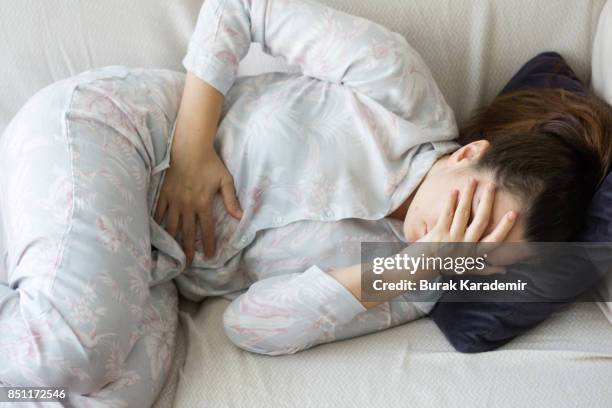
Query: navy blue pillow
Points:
[545, 70]
[482, 326]
[598, 222]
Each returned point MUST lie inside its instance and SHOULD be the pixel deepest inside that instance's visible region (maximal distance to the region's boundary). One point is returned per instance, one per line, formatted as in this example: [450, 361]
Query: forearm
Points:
[351, 279]
[289, 313]
[198, 116]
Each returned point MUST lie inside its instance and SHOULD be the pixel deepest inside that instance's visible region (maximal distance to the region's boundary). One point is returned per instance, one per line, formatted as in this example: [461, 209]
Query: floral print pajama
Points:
[89, 296]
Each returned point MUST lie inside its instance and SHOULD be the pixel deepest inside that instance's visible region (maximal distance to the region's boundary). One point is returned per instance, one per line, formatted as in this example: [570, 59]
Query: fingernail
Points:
[491, 187]
[511, 215]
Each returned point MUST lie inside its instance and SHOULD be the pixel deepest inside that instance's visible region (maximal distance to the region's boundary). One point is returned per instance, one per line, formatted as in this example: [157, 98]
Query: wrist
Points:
[192, 143]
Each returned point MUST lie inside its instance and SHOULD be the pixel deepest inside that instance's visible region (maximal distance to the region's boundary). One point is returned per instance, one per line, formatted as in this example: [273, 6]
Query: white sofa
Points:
[472, 47]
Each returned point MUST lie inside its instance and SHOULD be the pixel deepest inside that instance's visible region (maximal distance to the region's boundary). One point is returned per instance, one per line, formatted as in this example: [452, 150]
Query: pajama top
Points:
[319, 159]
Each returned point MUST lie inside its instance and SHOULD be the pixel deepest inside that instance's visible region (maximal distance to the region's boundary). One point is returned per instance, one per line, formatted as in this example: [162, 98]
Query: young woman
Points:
[99, 228]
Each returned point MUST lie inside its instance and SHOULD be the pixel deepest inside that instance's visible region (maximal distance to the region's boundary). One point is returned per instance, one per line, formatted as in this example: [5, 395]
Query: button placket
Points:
[165, 162]
[245, 238]
[157, 178]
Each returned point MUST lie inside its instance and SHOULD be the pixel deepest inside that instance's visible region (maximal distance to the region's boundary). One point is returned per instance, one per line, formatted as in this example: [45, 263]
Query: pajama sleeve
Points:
[323, 42]
[289, 313]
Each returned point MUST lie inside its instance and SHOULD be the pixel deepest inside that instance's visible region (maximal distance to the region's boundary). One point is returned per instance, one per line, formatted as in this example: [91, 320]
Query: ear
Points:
[470, 153]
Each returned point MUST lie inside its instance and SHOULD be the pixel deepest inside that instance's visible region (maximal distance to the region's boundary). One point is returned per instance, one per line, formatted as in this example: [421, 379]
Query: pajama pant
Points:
[82, 307]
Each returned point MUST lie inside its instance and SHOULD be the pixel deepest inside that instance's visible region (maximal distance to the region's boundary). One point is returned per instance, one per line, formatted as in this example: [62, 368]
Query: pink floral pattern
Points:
[79, 308]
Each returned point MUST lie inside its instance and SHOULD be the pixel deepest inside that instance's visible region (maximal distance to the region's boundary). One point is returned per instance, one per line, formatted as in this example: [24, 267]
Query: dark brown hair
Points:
[551, 148]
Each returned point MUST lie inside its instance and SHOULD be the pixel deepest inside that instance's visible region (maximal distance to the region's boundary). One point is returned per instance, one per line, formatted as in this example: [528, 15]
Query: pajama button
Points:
[329, 213]
[278, 220]
[243, 240]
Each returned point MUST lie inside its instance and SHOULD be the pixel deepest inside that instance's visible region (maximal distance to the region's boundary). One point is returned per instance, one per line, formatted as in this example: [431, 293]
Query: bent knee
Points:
[44, 348]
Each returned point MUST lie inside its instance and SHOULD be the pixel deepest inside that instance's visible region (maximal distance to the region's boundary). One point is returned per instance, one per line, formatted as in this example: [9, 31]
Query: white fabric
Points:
[564, 362]
[602, 86]
[602, 55]
[472, 48]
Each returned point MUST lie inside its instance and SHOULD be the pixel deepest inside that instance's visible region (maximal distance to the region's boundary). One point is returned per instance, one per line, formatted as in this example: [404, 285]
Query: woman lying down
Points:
[100, 229]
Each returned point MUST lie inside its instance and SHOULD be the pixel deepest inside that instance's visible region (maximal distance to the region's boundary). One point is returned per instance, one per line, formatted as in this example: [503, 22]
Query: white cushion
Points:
[602, 55]
[408, 366]
[471, 46]
[602, 86]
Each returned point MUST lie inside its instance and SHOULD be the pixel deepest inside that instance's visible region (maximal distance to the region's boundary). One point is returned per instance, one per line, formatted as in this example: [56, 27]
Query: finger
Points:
[160, 210]
[501, 231]
[188, 220]
[207, 227]
[446, 216]
[229, 199]
[463, 211]
[172, 220]
[483, 215]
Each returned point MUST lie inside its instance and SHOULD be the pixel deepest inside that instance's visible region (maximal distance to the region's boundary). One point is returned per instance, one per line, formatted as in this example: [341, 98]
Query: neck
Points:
[400, 212]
